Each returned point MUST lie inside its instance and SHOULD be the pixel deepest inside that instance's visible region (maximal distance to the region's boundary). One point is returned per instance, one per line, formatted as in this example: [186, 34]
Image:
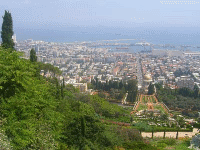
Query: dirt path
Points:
[170, 134]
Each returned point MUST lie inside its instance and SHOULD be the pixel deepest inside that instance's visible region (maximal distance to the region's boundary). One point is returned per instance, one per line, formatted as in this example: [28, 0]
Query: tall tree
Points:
[196, 91]
[150, 89]
[7, 31]
[33, 57]
[132, 90]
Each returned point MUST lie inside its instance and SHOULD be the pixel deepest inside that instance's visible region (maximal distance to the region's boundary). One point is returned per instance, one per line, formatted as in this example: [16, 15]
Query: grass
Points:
[181, 145]
[168, 143]
[144, 100]
[142, 107]
[159, 107]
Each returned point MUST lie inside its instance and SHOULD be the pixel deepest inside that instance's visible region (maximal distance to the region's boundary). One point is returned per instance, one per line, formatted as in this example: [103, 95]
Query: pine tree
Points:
[7, 31]
[33, 57]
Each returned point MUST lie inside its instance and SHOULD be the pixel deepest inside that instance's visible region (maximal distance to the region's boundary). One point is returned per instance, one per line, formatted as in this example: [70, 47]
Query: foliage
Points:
[15, 73]
[42, 113]
[196, 91]
[5, 142]
[182, 99]
[132, 90]
[150, 89]
[143, 126]
[138, 146]
[48, 68]
[7, 31]
[168, 141]
[117, 89]
[33, 57]
[161, 145]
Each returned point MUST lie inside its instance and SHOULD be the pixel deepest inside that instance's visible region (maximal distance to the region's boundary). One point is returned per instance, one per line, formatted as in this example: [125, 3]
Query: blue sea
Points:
[173, 35]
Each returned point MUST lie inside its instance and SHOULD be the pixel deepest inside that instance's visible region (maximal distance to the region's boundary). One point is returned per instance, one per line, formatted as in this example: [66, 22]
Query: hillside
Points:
[42, 113]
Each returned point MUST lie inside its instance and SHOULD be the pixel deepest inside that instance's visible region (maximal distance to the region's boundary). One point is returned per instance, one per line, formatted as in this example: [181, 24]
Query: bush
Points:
[138, 146]
[168, 141]
[161, 145]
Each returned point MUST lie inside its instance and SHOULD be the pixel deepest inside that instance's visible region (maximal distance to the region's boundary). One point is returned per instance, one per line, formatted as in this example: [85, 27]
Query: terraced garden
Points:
[149, 102]
[159, 107]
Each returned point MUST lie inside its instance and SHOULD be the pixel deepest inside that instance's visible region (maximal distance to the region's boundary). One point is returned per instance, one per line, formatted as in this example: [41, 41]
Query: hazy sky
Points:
[49, 14]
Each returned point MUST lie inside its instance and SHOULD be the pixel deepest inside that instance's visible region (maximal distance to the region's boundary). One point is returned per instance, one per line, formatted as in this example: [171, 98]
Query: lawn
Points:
[142, 107]
[159, 107]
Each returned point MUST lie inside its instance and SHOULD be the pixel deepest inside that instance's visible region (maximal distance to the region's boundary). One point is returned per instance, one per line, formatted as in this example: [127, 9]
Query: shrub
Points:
[138, 146]
[168, 141]
[161, 145]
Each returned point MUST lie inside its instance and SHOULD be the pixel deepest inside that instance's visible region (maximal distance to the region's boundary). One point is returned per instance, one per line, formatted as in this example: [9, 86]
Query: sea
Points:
[177, 38]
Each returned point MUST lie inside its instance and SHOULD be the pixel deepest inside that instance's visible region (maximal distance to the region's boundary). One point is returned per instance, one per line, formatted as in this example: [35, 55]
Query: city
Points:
[82, 62]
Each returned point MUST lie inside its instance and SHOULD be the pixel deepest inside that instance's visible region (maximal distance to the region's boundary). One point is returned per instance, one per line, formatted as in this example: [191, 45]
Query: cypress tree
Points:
[150, 89]
[83, 126]
[62, 88]
[7, 31]
[196, 91]
[33, 57]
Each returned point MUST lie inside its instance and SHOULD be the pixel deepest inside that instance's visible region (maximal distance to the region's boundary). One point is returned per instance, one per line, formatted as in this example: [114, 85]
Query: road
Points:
[139, 72]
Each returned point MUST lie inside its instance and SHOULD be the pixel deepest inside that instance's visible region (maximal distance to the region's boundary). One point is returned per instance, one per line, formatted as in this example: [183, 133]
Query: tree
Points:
[132, 90]
[196, 91]
[33, 57]
[150, 89]
[7, 31]
[131, 120]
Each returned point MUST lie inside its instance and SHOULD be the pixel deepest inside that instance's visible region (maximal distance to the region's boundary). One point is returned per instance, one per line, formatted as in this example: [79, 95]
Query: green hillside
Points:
[41, 113]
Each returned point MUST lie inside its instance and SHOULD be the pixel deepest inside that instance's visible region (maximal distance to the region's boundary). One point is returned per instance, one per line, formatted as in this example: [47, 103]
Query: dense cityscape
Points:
[82, 62]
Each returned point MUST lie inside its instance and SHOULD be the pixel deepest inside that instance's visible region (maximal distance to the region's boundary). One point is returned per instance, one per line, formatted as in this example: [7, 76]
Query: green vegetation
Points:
[33, 57]
[153, 100]
[142, 107]
[159, 107]
[41, 113]
[150, 89]
[170, 143]
[183, 100]
[144, 100]
[116, 89]
[7, 31]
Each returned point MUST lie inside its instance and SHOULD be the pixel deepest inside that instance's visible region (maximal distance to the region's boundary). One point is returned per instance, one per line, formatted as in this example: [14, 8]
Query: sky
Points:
[110, 13]
[68, 14]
